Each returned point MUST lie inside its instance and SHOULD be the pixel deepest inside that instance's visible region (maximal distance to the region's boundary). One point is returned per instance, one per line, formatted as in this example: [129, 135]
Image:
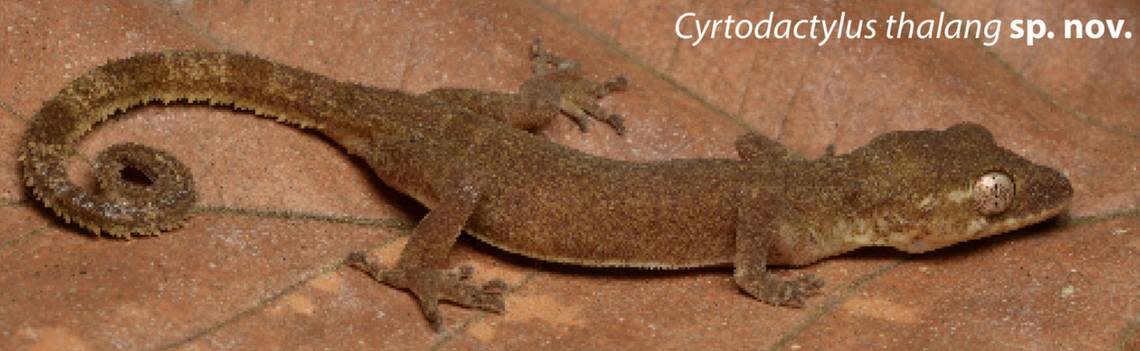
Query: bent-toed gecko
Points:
[467, 155]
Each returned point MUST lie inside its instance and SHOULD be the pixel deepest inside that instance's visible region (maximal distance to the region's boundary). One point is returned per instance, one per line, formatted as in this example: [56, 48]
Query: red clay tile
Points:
[1080, 74]
[581, 309]
[805, 95]
[146, 293]
[1074, 287]
[11, 130]
[341, 310]
[346, 309]
[1133, 341]
[47, 43]
[22, 221]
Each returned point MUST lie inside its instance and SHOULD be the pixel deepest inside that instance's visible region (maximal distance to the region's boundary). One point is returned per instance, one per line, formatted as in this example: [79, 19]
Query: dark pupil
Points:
[135, 176]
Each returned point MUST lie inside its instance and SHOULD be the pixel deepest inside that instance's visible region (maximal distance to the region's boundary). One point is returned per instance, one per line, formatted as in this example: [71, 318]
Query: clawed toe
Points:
[809, 284]
[488, 297]
[495, 286]
[540, 59]
[617, 123]
[359, 260]
[615, 84]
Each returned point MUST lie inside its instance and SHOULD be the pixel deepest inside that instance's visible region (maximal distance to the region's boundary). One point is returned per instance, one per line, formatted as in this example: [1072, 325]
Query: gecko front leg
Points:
[422, 270]
[757, 234]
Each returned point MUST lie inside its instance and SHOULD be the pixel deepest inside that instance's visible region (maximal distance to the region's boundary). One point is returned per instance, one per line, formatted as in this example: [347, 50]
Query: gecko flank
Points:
[468, 156]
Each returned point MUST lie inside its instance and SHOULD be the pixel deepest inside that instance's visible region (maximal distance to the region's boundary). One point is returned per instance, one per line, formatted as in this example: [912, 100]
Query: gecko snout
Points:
[1047, 190]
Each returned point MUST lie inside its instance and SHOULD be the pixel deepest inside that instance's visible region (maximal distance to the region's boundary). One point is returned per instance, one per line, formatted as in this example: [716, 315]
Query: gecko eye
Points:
[993, 193]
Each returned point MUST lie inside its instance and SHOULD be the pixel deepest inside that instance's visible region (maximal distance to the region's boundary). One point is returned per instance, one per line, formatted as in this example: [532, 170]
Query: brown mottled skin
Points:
[466, 156]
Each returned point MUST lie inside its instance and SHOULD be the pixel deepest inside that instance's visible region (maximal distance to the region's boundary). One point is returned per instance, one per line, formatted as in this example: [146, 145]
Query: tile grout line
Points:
[1129, 334]
[167, 8]
[385, 223]
[786, 109]
[833, 303]
[1040, 92]
[742, 97]
[1068, 222]
[19, 117]
[22, 238]
[4, 202]
[10, 202]
[391, 223]
[261, 304]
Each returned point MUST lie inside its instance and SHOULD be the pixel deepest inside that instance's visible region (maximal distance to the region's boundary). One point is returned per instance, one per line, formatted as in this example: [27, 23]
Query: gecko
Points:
[472, 158]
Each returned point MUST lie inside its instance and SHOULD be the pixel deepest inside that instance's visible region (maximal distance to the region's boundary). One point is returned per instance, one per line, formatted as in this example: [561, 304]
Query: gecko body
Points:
[468, 156]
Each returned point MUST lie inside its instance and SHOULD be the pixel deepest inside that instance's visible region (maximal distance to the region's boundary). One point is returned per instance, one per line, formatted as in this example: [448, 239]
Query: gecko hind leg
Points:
[422, 270]
[559, 80]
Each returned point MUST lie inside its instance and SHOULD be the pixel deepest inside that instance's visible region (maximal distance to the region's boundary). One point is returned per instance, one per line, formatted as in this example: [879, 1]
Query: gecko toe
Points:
[809, 284]
[788, 293]
[615, 84]
[356, 258]
[796, 291]
[495, 286]
[464, 272]
[360, 261]
[429, 306]
[617, 122]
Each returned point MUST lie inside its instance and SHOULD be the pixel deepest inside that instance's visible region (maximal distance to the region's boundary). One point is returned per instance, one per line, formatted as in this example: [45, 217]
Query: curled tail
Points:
[162, 200]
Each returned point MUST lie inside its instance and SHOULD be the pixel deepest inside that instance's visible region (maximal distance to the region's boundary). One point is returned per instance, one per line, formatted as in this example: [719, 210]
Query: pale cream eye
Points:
[993, 193]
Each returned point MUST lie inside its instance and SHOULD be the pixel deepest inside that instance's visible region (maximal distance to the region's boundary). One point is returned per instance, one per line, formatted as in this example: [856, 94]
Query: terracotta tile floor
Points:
[260, 264]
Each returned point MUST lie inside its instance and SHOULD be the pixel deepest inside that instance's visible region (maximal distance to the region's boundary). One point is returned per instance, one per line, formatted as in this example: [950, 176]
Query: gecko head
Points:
[945, 187]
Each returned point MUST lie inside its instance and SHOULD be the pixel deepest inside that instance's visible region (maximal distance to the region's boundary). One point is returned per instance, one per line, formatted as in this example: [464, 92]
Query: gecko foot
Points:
[433, 285]
[559, 81]
[773, 290]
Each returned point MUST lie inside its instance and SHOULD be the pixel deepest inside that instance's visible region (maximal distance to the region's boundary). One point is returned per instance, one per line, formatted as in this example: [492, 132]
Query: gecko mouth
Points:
[1011, 224]
[980, 228]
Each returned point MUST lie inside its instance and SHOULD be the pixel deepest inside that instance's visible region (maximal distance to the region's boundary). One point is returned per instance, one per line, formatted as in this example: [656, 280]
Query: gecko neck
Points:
[833, 206]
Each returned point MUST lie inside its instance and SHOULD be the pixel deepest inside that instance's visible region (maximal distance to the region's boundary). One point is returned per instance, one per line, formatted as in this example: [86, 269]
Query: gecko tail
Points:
[143, 190]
